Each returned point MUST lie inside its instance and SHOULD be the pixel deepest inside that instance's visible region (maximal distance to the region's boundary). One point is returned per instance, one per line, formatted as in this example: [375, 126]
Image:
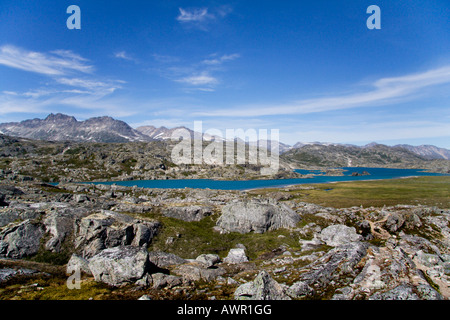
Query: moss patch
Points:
[190, 239]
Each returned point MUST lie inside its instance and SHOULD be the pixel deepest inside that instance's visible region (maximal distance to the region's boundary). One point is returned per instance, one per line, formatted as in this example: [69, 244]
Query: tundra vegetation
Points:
[379, 241]
[350, 240]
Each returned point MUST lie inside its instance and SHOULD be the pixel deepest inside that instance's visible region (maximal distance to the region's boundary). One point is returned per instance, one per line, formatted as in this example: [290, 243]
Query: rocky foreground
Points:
[243, 247]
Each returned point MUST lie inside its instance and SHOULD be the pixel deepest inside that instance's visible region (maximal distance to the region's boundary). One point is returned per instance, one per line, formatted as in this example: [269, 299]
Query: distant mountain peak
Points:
[372, 144]
[60, 117]
[427, 151]
[61, 127]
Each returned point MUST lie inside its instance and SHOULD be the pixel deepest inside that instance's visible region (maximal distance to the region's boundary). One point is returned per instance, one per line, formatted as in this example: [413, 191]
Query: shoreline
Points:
[111, 183]
[330, 182]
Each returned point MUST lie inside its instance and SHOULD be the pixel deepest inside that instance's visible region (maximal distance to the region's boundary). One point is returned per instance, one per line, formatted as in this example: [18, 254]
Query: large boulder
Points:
[15, 213]
[119, 265]
[339, 234]
[164, 259]
[259, 217]
[394, 222]
[60, 225]
[386, 270]
[196, 270]
[335, 266]
[10, 190]
[108, 229]
[262, 288]
[162, 280]
[299, 290]
[21, 240]
[236, 256]
[6, 192]
[208, 260]
[188, 213]
[402, 292]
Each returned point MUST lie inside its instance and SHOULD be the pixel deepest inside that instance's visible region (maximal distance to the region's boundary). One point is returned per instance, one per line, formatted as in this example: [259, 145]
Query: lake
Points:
[375, 174]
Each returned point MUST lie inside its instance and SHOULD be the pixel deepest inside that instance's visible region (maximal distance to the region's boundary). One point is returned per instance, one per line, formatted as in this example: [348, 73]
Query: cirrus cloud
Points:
[59, 62]
[383, 91]
[194, 15]
[73, 82]
[201, 79]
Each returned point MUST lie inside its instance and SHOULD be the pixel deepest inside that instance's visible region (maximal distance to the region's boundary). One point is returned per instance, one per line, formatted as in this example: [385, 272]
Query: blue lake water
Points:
[375, 174]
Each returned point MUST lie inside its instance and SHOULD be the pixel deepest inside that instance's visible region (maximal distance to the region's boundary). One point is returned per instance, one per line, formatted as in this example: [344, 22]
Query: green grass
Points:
[432, 191]
[51, 288]
[56, 258]
[190, 239]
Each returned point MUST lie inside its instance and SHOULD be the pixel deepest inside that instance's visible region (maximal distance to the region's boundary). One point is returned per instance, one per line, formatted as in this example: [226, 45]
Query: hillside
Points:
[376, 155]
[49, 161]
[428, 151]
[99, 145]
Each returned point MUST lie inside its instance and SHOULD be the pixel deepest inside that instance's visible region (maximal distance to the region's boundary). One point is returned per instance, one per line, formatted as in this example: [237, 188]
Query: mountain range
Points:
[61, 127]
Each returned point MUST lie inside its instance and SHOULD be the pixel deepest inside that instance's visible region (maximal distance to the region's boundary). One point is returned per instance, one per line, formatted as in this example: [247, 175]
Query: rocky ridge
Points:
[25, 159]
[61, 127]
[373, 155]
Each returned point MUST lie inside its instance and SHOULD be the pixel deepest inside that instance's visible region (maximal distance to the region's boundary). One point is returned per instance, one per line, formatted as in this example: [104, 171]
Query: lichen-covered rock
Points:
[248, 216]
[7, 191]
[188, 213]
[164, 259]
[161, 280]
[195, 271]
[60, 224]
[394, 222]
[208, 260]
[339, 234]
[300, 290]
[108, 229]
[119, 265]
[21, 240]
[401, 292]
[15, 213]
[262, 288]
[387, 273]
[336, 265]
[236, 256]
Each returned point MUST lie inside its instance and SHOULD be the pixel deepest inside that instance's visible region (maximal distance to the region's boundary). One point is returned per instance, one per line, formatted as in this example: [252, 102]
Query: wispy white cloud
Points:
[202, 17]
[124, 55]
[194, 15]
[165, 58]
[60, 62]
[79, 101]
[222, 59]
[382, 92]
[72, 83]
[198, 76]
[10, 104]
[94, 87]
[224, 10]
[204, 78]
[69, 55]
[367, 132]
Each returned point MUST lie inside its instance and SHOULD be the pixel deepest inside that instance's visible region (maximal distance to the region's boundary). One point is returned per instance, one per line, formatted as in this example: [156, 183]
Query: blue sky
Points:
[311, 69]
